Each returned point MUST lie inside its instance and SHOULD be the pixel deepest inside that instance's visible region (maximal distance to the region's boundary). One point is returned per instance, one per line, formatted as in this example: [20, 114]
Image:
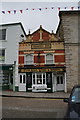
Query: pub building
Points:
[41, 65]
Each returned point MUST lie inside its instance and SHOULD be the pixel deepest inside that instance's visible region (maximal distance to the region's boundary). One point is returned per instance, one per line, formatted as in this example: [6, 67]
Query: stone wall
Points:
[70, 23]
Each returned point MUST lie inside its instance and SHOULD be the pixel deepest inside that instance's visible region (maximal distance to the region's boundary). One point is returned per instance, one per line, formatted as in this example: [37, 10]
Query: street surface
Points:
[14, 107]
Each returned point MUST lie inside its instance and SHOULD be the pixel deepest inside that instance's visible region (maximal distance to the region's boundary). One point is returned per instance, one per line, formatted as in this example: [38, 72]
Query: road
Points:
[13, 107]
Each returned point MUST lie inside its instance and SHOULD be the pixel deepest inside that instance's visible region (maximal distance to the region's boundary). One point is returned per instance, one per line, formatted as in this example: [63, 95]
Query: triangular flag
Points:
[46, 8]
[72, 8]
[14, 11]
[58, 8]
[9, 12]
[40, 9]
[3, 12]
[26, 8]
[33, 9]
[21, 11]
[65, 7]
[52, 7]
[78, 7]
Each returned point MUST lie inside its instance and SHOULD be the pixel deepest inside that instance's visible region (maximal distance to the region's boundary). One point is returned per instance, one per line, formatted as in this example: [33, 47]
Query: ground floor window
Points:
[39, 78]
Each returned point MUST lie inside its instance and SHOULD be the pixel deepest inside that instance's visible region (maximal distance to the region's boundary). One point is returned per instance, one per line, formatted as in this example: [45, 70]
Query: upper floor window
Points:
[2, 34]
[29, 59]
[2, 55]
[49, 58]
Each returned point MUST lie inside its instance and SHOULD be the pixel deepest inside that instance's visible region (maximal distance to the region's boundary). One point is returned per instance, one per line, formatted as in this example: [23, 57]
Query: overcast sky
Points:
[32, 19]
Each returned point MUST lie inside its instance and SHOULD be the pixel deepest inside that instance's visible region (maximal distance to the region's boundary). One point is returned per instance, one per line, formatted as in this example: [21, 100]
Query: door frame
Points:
[24, 84]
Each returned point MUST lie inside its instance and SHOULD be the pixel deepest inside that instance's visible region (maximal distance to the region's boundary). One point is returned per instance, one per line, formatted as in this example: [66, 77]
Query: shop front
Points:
[39, 81]
[6, 77]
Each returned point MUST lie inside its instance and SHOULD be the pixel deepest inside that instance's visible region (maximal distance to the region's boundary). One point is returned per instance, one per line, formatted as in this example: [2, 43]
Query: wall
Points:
[69, 21]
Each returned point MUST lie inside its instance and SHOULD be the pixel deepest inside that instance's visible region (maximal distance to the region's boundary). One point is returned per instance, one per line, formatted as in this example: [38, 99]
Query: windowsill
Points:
[3, 40]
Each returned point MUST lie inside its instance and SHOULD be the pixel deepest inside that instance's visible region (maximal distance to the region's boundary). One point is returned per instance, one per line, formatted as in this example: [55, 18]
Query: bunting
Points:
[40, 9]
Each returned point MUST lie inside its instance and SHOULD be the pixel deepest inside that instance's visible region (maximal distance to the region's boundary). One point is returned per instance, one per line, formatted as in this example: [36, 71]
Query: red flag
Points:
[21, 11]
[72, 8]
[9, 12]
[33, 9]
[58, 8]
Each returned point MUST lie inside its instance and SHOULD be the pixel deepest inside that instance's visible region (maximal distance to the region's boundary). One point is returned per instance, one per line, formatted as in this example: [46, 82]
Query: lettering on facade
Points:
[41, 70]
[40, 45]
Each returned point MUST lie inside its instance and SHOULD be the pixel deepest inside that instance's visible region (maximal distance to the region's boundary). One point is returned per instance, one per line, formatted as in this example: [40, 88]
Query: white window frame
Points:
[32, 60]
[52, 59]
[36, 78]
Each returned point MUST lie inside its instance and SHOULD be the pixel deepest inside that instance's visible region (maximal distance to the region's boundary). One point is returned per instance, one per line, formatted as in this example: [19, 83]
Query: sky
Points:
[36, 15]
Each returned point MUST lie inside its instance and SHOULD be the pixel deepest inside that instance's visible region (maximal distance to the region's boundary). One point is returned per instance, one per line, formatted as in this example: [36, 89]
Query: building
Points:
[70, 26]
[42, 62]
[10, 36]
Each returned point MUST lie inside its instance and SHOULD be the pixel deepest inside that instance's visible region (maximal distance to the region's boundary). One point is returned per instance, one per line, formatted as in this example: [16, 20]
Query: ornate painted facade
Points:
[42, 62]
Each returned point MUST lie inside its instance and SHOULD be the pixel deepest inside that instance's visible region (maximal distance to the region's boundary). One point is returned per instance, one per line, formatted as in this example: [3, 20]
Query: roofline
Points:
[19, 23]
[69, 12]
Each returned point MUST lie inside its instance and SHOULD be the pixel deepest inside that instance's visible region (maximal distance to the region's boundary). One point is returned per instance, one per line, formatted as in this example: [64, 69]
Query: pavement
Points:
[55, 95]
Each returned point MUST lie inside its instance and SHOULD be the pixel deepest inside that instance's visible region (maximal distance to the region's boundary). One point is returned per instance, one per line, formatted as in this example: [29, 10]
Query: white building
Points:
[10, 36]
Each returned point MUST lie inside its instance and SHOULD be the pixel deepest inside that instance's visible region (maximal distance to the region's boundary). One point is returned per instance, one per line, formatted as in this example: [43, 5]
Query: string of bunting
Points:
[40, 9]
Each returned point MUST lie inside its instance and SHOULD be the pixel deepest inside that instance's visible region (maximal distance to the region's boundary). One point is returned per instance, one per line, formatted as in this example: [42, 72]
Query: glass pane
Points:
[23, 78]
[2, 34]
[20, 78]
[58, 80]
[61, 79]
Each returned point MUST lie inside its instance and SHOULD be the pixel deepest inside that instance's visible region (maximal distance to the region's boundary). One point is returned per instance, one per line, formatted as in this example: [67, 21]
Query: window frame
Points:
[25, 62]
[46, 59]
[5, 34]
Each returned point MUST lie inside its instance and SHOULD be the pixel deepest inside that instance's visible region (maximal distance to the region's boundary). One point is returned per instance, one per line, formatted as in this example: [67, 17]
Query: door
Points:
[22, 82]
[59, 83]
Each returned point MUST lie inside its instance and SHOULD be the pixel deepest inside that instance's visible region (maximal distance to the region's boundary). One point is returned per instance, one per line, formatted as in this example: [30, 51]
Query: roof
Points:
[19, 23]
[41, 28]
[69, 12]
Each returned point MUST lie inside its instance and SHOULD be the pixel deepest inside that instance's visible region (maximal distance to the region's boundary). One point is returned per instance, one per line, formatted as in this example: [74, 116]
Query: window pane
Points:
[49, 59]
[2, 55]
[20, 78]
[23, 78]
[58, 80]
[2, 34]
[29, 59]
[61, 79]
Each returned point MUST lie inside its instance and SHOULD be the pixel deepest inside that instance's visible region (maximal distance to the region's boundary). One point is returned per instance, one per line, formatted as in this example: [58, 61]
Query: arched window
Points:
[29, 59]
[49, 58]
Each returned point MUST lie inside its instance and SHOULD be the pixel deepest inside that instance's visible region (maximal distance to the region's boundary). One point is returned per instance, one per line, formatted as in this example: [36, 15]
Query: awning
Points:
[6, 67]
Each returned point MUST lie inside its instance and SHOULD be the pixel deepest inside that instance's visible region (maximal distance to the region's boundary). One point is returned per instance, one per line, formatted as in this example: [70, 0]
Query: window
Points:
[39, 78]
[3, 34]
[59, 79]
[49, 58]
[29, 59]
[2, 55]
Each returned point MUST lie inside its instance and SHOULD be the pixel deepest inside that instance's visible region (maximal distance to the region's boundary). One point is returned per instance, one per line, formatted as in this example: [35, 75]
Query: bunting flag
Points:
[21, 11]
[40, 9]
[9, 12]
[3, 12]
[58, 8]
[14, 11]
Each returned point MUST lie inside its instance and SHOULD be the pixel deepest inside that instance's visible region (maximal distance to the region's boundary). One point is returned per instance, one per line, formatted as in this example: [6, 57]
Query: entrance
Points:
[59, 83]
[22, 82]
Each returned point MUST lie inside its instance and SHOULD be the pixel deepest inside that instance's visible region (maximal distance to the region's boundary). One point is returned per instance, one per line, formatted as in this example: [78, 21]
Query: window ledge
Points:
[3, 40]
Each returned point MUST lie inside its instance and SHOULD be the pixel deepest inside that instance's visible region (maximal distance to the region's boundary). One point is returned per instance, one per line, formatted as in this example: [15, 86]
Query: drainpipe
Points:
[14, 70]
[65, 82]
